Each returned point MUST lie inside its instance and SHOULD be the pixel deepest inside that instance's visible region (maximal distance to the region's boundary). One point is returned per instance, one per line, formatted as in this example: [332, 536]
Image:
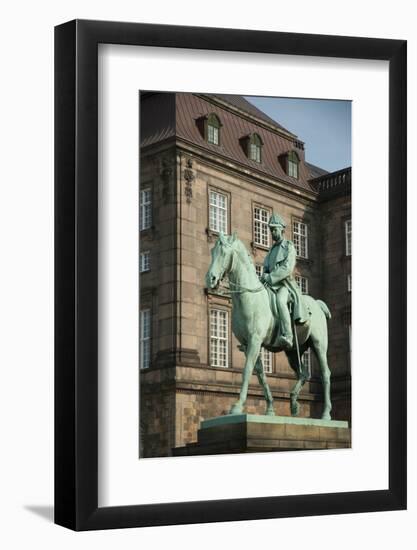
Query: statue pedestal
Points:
[249, 433]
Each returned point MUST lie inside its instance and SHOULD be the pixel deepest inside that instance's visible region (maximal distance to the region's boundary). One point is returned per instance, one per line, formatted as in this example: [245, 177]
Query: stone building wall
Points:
[337, 266]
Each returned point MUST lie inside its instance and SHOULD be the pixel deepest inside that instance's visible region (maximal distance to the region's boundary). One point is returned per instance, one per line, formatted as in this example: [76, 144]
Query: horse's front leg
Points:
[252, 352]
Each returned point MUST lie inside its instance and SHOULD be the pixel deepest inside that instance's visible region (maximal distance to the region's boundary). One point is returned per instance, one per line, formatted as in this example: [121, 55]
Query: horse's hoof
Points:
[295, 409]
[236, 409]
[270, 411]
[326, 416]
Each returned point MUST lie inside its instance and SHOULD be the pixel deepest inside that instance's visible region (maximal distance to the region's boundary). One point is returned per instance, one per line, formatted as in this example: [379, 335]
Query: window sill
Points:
[257, 246]
[148, 232]
[220, 293]
[212, 235]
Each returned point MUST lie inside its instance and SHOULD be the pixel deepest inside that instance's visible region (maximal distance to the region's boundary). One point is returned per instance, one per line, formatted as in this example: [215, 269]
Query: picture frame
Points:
[76, 274]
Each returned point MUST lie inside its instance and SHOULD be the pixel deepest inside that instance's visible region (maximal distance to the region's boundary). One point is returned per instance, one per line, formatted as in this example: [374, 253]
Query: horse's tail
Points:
[324, 309]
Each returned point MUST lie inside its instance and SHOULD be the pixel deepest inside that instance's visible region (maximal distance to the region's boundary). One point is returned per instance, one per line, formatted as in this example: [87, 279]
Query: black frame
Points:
[76, 269]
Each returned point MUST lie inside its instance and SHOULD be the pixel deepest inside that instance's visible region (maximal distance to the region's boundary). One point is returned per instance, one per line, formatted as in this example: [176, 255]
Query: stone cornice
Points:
[303, 195]
[232, 168]
[158, 147]
[254, 392]
[203, 366]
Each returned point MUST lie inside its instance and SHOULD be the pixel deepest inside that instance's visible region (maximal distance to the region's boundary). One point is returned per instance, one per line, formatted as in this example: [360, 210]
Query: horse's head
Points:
[221, 260]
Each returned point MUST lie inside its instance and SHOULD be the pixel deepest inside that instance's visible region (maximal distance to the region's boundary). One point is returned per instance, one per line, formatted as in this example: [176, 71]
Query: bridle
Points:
[239, 288]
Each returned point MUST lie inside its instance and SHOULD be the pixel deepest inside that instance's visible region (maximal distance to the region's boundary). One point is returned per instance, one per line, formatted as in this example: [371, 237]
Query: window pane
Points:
[218, 338]
[145, 338]
[145, 209]
[292, 168]
[300, 239]
[145, 261]
[212, 134]
[306, 360]
[218, 212]
[302, 282]
[348, 237]
[260, 226]
[266, 358]
[255, 152]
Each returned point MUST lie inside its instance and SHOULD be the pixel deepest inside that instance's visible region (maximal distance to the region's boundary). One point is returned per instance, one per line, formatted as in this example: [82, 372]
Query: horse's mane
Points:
[244, 255]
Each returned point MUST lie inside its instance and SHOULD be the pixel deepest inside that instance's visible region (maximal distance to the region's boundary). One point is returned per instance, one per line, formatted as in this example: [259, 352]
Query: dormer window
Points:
[213, 129]
[290, 163]
[252, 146]
[209, 128]
[255, 146]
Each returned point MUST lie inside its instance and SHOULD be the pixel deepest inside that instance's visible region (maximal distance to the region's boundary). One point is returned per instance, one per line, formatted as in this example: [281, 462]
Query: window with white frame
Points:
[302, 282]
[219, 341]
[217, 212]
[300, 238]
[349, 283]
[266, 358]
[259, 269]
[145, 220]
[306, 360]
[145, 261]
[260, 226]
[145, 338]
[348, 237]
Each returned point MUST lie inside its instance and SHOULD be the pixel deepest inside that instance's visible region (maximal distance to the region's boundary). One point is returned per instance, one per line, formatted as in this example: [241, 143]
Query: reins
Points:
[241, 289]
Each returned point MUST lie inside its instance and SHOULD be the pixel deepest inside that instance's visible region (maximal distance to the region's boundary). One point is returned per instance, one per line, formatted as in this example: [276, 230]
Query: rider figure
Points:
[277, 274]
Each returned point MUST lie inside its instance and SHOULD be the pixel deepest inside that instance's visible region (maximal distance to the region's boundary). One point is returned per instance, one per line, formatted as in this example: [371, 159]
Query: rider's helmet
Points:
[276, 221]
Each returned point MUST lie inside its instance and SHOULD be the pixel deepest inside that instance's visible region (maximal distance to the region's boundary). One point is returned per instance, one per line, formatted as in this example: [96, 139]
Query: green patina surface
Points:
[266, 419]
[261, 316]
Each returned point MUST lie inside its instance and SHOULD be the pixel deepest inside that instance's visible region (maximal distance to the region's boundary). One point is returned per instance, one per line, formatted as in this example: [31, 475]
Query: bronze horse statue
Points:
[254, 324]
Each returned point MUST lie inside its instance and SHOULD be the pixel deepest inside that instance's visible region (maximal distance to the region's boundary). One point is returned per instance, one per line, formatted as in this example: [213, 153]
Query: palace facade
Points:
[211, 163]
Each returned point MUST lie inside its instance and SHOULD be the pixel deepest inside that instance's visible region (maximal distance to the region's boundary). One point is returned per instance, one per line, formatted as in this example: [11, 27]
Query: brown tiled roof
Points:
[190, 107]
[315, 171]
[241, 103]
[157, 115]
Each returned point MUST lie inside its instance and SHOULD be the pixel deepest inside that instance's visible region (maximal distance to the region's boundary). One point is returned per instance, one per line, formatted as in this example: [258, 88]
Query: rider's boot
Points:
[286, 339]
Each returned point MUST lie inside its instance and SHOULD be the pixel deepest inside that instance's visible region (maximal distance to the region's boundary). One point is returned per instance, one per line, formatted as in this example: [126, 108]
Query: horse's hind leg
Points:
[260, 373]
[321, 353]
[293, 360]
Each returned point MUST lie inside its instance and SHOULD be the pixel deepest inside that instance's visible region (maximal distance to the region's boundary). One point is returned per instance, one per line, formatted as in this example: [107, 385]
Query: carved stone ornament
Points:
[166, 171]
[189, 177]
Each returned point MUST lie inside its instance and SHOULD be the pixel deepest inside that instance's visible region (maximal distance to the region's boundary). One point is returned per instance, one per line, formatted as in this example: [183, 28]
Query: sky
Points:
[324, 126]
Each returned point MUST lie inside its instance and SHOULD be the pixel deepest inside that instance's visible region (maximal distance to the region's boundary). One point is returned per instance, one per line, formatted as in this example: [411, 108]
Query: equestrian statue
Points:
[271, 312]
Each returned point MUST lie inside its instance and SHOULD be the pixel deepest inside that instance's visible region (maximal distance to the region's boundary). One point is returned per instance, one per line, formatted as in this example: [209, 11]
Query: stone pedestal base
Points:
[249, 433]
